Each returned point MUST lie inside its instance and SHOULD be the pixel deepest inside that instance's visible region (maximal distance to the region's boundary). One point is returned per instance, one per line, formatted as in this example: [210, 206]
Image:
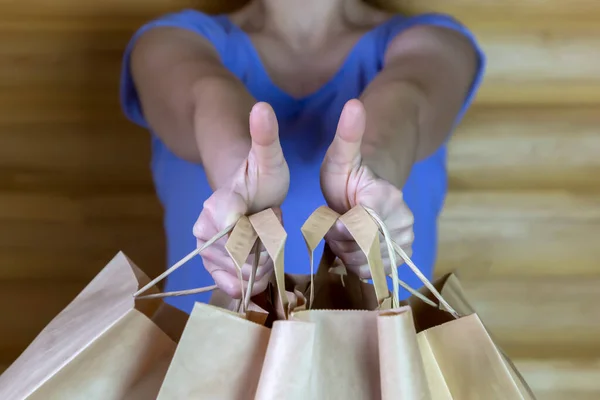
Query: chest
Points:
[301, 74]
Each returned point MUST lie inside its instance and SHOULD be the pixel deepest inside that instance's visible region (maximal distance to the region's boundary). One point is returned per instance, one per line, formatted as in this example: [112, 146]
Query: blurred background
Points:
[522, 219]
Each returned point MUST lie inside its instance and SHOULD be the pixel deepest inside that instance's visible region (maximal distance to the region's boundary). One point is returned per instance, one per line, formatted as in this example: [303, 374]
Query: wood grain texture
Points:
[562, 379]
[549, 63]
[507, 148]
[460, 8]
[495, 233]
[495, 9]
[544, 318]
[500, 148]
[528, 234]
[27, 307]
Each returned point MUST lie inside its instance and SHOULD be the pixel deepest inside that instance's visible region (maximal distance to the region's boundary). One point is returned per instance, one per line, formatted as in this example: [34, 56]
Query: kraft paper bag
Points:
[101, 346]
[460, 357]
[366, 350]
[363, 348]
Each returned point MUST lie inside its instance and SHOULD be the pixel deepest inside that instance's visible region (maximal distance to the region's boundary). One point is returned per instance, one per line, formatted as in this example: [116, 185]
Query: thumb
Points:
[264, 132]
[344, 150]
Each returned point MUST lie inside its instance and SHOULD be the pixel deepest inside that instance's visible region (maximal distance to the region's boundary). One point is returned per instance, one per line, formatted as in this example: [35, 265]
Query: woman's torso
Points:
[307, 125]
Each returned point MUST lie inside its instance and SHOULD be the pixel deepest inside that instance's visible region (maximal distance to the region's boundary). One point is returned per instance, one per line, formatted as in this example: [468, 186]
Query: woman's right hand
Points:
[261, 181]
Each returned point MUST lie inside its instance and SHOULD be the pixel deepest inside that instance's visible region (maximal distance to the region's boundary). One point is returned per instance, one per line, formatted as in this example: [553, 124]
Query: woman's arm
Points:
[412, 104]
[196, 106]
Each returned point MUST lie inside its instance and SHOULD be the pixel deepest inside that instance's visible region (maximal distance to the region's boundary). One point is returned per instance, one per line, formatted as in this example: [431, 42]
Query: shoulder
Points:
[428, 32]
[214, 28]
[426, 25]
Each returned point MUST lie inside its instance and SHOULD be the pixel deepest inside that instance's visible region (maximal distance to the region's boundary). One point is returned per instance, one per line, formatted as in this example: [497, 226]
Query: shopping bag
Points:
[460, 357]
[103, 345]
[306, 353]
[336, 336]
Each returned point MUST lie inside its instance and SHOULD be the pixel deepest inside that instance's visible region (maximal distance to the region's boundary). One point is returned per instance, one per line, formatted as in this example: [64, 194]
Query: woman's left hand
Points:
[346, 182]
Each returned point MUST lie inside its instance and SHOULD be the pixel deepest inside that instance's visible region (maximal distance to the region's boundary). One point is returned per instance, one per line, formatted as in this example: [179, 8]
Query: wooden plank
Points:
[109, 236]
[28, 263]
[76, 251]
[520, 234]
[542, 318]
[27, 307]
[117, 208]
[72, 182]
[551, 65]
[518, 248]
[560, 379]
[64, 236]
[493, 149]
[42, 105]
[461, 8]
[543, 64]
[527, 206]
[464, 9]
[526, 148]
[84, 148]
[75, 9]
[498, 233]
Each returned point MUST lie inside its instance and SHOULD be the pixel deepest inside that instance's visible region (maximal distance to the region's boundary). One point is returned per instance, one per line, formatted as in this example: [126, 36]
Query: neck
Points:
[304, 23]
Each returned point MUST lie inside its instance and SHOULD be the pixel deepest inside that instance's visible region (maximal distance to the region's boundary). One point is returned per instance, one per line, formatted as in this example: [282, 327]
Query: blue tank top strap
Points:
[215, 29]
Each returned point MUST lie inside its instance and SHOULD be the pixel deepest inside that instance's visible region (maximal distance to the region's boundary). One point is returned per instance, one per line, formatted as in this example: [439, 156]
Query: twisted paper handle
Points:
[245, 296]
[393, 250]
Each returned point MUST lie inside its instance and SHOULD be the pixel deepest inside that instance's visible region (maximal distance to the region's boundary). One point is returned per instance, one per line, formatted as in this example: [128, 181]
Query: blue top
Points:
[307, 126]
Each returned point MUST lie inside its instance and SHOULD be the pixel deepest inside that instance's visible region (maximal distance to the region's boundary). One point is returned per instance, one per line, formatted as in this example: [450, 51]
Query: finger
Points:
[216, 258]
[223, 208]
[260, 285]
[264, 132]
[344, 151]
[265, 265]
[230, 284]
[404, 237]
[338, 233]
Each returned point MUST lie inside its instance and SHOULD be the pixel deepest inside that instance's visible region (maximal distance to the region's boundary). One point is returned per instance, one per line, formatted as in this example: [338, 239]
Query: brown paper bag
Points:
[459, 356]
[350, 340]
[461, 359]
[369, 352]
[102, 346]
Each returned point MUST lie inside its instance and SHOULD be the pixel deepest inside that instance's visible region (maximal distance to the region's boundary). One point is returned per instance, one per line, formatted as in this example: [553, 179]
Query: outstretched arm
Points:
[411, 106]
[195, 105]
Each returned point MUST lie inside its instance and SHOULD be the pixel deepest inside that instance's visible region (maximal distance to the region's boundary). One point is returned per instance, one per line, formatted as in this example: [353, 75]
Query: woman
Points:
[292, 105]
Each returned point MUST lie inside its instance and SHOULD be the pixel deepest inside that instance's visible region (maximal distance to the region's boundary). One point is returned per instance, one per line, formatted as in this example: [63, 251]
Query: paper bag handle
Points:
[239, 245]
[365, 232]
[273, 237]
[180, 263]
[314, 230]
[270, 231]
[409, 262]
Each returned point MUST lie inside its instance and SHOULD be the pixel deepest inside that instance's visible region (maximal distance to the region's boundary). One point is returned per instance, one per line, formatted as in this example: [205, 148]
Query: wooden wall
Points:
[521, 218]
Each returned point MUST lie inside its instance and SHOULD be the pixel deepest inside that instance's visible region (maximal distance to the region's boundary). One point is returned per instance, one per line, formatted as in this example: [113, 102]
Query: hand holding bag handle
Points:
[322, 220]
[265, 227]
[362, 223]
[239, 245]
